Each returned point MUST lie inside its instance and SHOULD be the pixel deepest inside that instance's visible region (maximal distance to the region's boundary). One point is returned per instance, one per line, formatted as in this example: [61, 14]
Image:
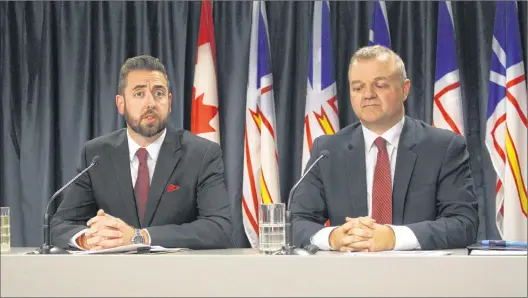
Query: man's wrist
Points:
[391, 238]
[331, 239]
[145, 235]
[82, 241]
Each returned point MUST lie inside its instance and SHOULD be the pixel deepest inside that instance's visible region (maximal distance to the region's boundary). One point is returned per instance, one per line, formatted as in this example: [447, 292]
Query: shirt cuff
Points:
[150, 239]
[73, 240]
[322, 238]
[404, 238]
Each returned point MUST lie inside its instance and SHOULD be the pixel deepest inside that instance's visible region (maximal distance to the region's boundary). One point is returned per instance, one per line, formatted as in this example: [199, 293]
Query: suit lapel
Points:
[121, 164]
[356, 168]
[404, 167]
[168, 158]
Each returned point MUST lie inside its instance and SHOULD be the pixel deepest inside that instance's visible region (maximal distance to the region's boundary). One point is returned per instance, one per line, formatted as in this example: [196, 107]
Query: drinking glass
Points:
[5, 231]
[272, 235]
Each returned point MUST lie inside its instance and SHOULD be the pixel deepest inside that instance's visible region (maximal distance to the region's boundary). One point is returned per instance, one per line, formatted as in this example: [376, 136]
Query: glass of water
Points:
[272, 235]
[5, 231]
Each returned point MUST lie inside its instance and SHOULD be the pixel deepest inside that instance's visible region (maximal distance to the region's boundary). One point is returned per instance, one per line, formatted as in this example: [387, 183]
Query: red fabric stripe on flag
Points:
[308, 131]
[495, 143]
[513, 100]
[251, 177]
[252, 220]
[446, 116]
[266, 90]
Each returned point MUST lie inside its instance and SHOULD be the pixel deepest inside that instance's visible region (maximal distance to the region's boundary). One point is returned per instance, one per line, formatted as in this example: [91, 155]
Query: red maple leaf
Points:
[201, 114]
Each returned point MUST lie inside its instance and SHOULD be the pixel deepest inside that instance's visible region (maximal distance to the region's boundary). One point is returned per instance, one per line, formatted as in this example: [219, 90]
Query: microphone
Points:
[289, 248]
[47, 248]
[307, 250]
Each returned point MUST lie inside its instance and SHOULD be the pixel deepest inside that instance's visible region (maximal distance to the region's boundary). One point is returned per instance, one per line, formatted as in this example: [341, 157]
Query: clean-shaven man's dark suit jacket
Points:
[196, 215]
[432, 193]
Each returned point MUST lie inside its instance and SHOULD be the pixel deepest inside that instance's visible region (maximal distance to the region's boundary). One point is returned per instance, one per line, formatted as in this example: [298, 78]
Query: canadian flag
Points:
[204, 110]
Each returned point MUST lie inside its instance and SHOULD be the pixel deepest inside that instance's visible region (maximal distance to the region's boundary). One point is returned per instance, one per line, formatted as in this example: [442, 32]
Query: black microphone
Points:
[47, 248]
[311, 249]
[289, 248]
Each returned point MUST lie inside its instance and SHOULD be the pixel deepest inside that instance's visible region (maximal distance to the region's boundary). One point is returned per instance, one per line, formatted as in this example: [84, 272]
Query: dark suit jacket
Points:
[433, 191]
[195, 216]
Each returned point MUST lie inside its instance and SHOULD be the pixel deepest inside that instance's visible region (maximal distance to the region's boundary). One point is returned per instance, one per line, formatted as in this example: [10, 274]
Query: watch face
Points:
[138, 240]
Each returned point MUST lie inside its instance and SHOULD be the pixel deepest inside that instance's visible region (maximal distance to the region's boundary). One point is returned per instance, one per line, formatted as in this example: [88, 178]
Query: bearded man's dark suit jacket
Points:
[187, 202]
[433, 192]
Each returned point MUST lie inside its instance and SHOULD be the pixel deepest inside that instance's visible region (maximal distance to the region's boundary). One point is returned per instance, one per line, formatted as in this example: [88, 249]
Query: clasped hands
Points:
[105, 231]
[362, 234]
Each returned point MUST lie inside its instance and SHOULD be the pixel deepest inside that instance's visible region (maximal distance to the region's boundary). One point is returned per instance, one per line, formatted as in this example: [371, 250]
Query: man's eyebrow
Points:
[380, 78]
[139, 86]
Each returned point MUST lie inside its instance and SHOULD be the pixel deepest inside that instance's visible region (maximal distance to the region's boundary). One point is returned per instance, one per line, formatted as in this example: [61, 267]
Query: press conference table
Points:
[245, 272]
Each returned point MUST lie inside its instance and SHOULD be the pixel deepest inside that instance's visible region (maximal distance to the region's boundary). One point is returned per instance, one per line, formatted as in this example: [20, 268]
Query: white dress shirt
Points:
[152, 157]
[404, 236]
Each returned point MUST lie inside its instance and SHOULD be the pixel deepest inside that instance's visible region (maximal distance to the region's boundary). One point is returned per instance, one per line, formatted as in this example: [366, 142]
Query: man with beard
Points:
[153, 184]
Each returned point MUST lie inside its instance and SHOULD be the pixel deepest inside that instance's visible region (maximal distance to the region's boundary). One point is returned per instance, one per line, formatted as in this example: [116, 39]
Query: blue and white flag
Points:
[507, 125]
[321, 111]
[379, 26]
[447, 106]
[261, 169]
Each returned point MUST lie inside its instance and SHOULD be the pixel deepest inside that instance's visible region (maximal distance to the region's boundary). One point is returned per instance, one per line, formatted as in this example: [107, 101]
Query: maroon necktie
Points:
[143, 181]
[382, 186]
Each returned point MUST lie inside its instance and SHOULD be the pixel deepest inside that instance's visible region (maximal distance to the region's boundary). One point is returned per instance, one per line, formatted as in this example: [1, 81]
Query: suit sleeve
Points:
[457, 218]
[308, 204]
[213, 227]
[76, 208]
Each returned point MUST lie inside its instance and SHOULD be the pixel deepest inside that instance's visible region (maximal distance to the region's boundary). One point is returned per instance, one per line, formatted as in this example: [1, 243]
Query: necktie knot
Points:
[381, 144]
[142, 154]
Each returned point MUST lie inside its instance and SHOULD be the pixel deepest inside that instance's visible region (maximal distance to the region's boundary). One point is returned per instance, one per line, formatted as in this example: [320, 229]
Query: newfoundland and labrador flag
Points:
[379, 26]
[261, 170]
[506, 127]
[447, 105]
[321, 111]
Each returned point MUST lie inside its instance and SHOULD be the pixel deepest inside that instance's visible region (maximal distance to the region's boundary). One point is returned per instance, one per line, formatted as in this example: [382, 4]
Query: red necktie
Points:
[382, 186]
[143, 182]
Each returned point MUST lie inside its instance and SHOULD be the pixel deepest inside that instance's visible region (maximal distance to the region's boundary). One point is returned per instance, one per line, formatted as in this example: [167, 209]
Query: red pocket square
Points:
[173, 187]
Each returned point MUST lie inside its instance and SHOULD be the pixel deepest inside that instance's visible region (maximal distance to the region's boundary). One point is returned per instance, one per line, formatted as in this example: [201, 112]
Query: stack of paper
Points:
[128, 249]
[413, 253]
[478, 252]
[498, 248]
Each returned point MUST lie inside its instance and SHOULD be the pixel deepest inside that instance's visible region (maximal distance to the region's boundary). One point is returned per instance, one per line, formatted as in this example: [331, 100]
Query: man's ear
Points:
[120, 104]
[406, 89]
[170, 103]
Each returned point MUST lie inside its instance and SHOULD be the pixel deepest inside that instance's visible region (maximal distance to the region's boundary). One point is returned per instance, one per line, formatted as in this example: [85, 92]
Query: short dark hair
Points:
[143, 62]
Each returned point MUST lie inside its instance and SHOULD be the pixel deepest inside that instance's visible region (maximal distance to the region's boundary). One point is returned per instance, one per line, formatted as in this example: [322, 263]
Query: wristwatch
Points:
[138, 238]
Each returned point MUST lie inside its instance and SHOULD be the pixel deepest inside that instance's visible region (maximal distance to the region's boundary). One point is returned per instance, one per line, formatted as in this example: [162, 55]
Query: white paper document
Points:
[482, 252]
[411, 253]
[128, 249]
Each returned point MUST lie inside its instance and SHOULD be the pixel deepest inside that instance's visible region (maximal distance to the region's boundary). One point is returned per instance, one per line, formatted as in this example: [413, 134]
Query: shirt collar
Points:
[152, 149]
[392, 136]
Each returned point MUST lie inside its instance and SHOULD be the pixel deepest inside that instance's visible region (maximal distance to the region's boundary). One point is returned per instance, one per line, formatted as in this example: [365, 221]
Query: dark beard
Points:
[149, 130]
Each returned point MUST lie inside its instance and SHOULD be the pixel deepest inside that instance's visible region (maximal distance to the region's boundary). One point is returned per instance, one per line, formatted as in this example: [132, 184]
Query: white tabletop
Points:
[245, 272]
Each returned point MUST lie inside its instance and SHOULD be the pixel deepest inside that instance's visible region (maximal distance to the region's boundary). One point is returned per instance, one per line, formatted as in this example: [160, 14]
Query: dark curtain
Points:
[60, 61]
